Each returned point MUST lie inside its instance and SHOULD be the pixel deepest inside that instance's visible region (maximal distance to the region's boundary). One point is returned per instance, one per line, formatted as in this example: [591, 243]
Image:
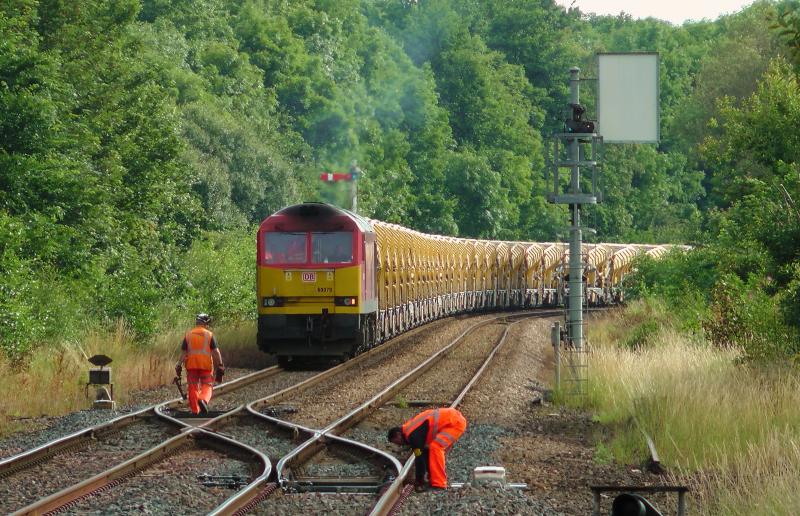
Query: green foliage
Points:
[786, 22]
[139, 137]
[722, 291]
[642, 335]
[216, 276]
[744, 316]
[602, 454]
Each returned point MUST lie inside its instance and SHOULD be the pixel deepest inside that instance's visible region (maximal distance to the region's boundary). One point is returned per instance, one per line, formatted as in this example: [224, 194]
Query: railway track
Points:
[395, 494]
[42, 471]
[290, 468]
[274, 441]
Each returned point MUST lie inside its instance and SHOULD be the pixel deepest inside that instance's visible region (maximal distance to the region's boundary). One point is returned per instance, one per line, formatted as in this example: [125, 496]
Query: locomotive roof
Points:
[323, 210]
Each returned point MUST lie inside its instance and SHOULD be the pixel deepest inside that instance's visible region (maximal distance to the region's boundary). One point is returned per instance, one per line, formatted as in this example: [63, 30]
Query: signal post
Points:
[577, 132]
[628, 112]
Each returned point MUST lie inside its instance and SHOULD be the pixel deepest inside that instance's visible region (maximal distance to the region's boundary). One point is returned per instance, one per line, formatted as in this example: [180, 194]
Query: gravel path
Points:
[169, 487]
[64, 470]
[551, 449]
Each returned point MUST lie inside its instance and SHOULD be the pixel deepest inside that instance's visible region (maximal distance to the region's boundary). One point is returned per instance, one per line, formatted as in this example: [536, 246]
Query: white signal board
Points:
[627, 97]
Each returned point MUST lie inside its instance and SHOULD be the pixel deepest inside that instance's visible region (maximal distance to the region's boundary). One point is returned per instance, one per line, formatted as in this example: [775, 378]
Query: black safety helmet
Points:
[394, 431]
[203, 319]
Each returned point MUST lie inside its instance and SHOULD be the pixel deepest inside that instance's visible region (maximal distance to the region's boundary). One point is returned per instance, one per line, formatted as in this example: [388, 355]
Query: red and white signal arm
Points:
[335, 176]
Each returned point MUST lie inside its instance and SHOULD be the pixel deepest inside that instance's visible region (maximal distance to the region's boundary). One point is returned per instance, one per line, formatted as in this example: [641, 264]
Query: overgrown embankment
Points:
[705, 362]
[54, 382]
[215, 275]
[726, 426]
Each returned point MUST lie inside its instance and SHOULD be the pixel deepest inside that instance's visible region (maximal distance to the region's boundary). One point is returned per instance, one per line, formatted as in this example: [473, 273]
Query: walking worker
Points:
[430, 434]
[200, 354]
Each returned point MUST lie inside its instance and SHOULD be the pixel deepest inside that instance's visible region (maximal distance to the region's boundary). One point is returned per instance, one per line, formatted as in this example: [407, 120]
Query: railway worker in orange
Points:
[200, 354]
[430, 434]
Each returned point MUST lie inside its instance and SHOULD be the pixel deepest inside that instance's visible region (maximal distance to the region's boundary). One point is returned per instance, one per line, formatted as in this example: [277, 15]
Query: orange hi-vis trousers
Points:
[445, 426]
[200, 385]
[451, 425]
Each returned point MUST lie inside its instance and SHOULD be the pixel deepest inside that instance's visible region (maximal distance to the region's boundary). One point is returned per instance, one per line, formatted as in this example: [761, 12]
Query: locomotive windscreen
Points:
[332, 247]
[285, 248]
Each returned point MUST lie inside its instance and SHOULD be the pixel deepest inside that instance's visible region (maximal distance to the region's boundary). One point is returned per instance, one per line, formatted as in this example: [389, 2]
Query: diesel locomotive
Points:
[332, 284]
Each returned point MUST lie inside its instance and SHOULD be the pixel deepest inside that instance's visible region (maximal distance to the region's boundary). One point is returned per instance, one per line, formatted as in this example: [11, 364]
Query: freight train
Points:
[333, 284]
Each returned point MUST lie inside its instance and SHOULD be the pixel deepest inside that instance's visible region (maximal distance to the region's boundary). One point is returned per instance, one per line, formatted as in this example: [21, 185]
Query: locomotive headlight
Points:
[270, 301]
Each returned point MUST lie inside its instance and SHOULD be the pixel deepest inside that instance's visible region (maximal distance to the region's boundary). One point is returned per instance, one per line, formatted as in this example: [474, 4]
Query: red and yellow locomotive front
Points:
[315, 282]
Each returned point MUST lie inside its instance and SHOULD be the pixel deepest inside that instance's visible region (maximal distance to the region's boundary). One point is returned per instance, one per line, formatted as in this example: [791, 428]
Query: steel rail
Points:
[313, 445]
[119, 473]
[255, 492]
[271, 399]
[105, 479]
[25, 459]
[67, 444]
[250, 495]
[397, 492]
[231, 386]
[258, 488]
[15, 463]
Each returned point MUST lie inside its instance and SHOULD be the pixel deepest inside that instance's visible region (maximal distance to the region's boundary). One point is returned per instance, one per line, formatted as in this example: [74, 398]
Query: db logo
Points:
[309, 277]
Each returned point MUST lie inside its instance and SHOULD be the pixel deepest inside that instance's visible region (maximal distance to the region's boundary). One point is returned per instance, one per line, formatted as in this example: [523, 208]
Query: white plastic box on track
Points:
[486, 474]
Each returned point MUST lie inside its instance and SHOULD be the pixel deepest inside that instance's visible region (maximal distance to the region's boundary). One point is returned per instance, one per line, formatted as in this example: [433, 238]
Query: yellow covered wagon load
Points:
[331, 283]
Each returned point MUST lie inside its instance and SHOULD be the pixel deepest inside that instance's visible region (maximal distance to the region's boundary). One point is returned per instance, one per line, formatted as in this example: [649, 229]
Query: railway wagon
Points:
[332, 284]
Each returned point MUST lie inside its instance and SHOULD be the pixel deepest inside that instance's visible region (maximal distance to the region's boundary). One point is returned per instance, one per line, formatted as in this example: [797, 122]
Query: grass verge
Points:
[54, 381]
[731, 431]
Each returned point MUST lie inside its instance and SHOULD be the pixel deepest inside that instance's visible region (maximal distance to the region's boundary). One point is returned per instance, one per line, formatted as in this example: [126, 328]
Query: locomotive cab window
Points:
[335, 247]
[285, 248]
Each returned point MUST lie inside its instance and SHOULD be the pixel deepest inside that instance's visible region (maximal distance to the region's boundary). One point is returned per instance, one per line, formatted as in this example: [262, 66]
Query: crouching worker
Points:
[430, 434]
[200, 354]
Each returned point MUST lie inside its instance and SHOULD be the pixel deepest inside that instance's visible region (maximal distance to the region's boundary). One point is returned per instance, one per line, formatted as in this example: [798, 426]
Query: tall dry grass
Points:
[54, 379]
[732, 430]
[238, 346]
[765, 479]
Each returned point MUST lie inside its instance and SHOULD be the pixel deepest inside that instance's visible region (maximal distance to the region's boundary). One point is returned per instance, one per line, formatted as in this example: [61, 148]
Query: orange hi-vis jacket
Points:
[198, 349]
[444, 427]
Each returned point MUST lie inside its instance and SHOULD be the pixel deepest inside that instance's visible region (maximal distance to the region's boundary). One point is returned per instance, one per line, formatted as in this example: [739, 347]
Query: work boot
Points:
[203, 407]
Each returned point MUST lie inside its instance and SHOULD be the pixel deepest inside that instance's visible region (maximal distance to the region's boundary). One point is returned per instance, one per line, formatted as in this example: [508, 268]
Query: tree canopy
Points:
[132, 130]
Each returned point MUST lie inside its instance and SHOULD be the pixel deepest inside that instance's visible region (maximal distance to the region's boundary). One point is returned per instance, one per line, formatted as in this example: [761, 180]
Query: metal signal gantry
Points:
[577, 133]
